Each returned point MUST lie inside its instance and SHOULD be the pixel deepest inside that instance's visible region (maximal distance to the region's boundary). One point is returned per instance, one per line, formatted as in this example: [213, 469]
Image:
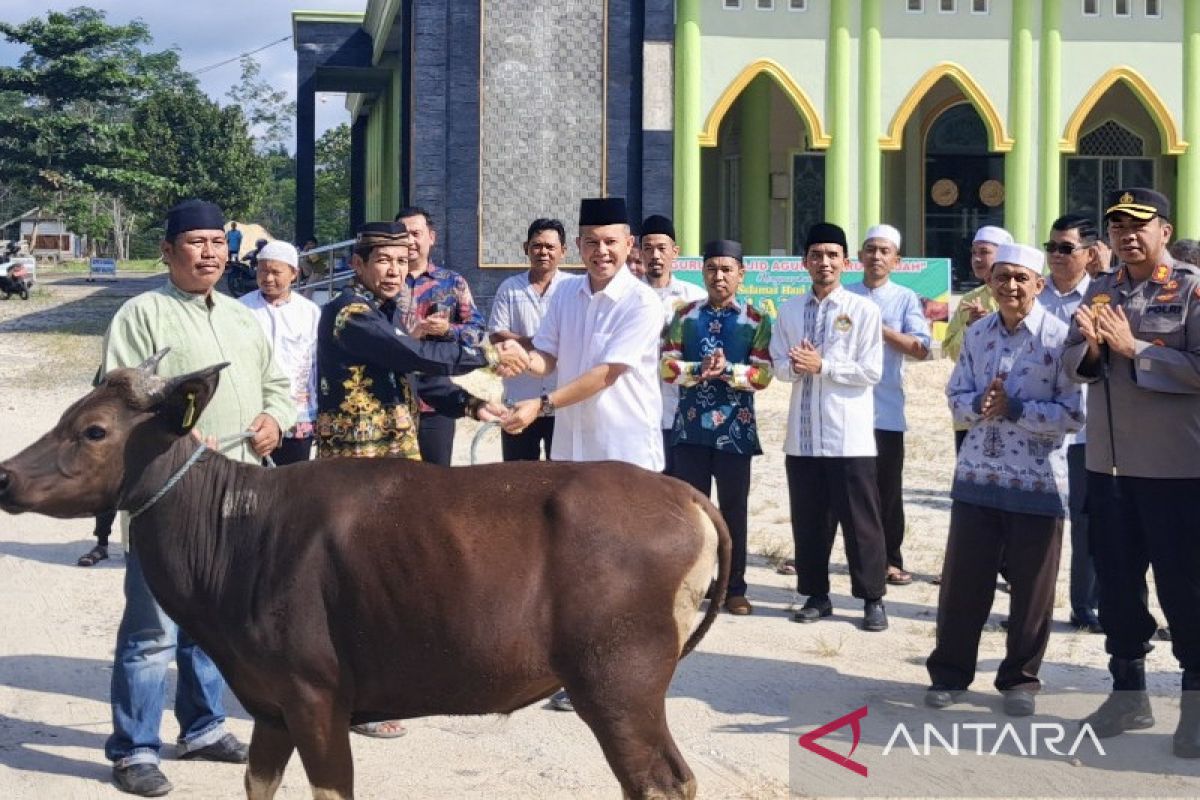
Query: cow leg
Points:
[270, 748]
[321, 733]
[628, 716]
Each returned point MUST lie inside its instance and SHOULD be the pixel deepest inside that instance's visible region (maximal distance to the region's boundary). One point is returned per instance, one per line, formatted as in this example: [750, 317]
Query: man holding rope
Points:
[201, 327]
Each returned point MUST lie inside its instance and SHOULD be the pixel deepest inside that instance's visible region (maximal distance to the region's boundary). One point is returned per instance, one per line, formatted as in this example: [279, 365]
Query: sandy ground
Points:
[729, 703]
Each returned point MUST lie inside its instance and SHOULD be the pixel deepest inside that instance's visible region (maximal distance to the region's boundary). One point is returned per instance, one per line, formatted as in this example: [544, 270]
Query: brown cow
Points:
[350, 590]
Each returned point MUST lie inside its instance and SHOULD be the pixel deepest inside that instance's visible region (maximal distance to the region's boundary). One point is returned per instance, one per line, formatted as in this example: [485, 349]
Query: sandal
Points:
[788, 567]
[93, 557]
[898, 577]
[383, 729]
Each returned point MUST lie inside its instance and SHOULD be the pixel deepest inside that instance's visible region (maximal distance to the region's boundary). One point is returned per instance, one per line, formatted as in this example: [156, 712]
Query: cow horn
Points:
[150, 365]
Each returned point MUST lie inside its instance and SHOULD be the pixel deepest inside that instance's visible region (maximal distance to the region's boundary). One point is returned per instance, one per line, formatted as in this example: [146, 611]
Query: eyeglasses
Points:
[1063, 248]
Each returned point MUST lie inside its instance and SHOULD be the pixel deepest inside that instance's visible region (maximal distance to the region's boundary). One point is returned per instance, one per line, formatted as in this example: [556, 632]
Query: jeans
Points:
[146, 641]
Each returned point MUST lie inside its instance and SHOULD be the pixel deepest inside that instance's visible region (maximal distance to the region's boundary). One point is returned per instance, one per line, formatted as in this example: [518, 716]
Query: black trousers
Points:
[668, 456]
[292, 451]
[822, 493]
[959, 438]
[698, 466]
[979, 538]
[1085, 591]
[527, 445]
[889, 477]
[104, 524]
[435, 437]
[1135, 523]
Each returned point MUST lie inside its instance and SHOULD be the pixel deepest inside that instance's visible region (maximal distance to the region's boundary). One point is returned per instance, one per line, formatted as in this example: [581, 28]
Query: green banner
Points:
[772, 280]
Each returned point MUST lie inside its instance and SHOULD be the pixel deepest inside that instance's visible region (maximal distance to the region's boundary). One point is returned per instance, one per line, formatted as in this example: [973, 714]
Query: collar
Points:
[735, 307]
[1032, 322]
[205, 300]
[833, 298]
[623, 283]
[1080, 288]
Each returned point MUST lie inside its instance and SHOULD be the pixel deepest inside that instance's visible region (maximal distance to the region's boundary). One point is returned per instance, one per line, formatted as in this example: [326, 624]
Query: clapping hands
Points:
[806, 359]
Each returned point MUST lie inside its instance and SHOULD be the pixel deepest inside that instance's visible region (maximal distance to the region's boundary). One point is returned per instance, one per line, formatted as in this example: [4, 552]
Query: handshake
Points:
[514, 359]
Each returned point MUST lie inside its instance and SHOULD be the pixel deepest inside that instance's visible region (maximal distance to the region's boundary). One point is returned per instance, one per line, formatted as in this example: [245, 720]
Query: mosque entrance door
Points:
[964, 187]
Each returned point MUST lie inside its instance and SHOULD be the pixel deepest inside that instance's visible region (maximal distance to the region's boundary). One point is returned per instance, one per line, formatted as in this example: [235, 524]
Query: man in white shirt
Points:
[829, 344]
[601, 331]
[517, 310]
[659, 252]
[905, 333]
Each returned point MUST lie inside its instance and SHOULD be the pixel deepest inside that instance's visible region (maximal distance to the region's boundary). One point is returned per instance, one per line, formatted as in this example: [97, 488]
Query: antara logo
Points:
[809, 740]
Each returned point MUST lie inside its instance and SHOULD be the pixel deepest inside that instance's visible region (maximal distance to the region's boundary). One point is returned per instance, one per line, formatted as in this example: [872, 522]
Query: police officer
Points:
[1136, 338]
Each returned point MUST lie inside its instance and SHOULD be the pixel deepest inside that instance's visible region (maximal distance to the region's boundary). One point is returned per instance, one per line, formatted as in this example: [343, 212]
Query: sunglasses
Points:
[1063, 248]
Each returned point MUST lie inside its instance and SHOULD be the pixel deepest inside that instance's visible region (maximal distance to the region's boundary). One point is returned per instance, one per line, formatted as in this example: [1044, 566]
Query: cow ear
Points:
[186, 397]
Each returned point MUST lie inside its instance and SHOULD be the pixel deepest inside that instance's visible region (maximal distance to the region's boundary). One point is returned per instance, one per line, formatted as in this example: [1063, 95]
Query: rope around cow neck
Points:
[222, 445]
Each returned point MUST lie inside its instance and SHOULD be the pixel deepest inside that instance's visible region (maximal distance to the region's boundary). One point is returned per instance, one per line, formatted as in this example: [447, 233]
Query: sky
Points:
[207, 32]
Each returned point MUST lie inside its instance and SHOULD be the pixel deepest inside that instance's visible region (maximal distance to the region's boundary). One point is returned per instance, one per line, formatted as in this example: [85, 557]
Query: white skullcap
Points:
[886, 232]
[1021, 255]
[992, 234]
[280, 251]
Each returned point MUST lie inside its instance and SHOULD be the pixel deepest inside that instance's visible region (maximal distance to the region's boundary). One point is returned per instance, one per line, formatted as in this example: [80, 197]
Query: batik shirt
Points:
[1018, 462]
[368, 383]
[447, 290]
[718, 412]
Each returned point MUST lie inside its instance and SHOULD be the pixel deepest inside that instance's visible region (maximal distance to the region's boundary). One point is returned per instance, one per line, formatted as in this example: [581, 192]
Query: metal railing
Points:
[334, 272]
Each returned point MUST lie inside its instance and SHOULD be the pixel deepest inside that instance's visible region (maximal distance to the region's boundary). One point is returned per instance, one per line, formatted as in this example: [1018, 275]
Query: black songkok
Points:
[194, 215]
[826, 233]
[657, 223]
[723, 247]
[602, 211]
[381, 234]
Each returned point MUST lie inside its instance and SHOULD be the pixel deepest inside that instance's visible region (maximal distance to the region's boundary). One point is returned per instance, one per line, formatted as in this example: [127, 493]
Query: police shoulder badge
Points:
[843, 323]
[1161, 273]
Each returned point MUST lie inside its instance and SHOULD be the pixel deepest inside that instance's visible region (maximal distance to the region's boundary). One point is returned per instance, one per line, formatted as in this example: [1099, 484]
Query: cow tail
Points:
[724, 565]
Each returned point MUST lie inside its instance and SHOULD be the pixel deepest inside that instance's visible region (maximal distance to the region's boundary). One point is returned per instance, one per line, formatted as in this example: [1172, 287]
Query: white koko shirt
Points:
[618, 325]
[831, 414]
[518, 308]
[676, 294]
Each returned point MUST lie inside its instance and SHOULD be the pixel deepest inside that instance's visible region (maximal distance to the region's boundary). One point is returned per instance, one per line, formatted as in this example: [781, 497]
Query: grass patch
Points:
[826, 648]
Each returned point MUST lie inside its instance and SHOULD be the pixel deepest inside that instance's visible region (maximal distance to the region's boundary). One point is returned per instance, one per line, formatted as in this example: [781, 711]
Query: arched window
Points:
[1110, 157]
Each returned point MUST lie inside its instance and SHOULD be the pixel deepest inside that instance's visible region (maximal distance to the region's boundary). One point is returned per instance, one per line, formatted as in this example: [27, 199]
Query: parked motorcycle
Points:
[15, 277]
[239, 278]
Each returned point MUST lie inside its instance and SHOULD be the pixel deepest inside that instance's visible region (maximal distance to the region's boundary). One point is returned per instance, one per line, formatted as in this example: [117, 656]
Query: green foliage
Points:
[199, 149]
[266, 108]
[333, 184]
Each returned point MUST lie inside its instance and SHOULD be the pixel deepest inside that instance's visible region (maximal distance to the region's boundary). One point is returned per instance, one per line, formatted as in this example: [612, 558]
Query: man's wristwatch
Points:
[547, 409]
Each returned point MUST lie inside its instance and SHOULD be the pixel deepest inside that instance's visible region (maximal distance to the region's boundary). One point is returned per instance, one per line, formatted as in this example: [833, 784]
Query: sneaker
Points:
[874, 617]
[814, 609]
[227, 750]
[561, 701]
[144, 780]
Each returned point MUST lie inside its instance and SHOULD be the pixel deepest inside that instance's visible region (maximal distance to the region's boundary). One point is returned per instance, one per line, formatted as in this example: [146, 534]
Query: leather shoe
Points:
[144, 780]
[738, 606]
[1019, 702]
[939, 696]
[227, 750]
[874, 617]
[813, 609]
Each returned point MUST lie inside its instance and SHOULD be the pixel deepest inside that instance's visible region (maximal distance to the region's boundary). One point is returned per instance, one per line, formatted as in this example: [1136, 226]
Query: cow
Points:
[342, 591]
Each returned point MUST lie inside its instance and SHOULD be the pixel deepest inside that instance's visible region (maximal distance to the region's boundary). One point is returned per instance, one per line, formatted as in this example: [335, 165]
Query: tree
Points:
[333, 184]
[200, 149]
[266, 108]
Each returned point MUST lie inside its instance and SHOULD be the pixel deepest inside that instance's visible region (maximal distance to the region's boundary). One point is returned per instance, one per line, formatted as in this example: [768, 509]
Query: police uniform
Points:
[1143, 463]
